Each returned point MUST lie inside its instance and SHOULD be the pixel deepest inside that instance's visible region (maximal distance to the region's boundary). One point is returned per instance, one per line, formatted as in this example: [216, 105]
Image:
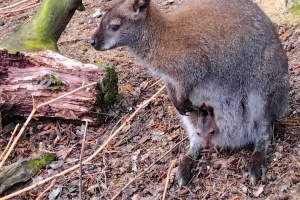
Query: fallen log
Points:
[24, 169]
[41, 76]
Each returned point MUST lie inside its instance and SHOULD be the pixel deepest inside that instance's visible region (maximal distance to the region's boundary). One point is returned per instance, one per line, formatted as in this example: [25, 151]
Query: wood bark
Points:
[45, 27]
[43, 76]
[23, 170]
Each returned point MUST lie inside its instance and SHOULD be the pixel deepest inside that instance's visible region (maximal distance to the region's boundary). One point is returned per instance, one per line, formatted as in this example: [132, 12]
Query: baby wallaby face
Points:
[121, 24]
[206, 127]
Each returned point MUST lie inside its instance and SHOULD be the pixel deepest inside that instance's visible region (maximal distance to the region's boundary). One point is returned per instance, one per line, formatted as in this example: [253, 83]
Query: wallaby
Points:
[206, 127]
[224, 54]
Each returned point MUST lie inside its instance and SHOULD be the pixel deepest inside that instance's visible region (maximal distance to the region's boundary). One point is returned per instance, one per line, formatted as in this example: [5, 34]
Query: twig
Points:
[155, 83]
[14, 5]
[30, 117]
[48, 188]
[168, 179]
[239, 163]
[237, 197]
[89, 158]
[295, 26]
[21, 9]
[17, 138]
[80, 168]
[10, 140]
[142, 173]
[64, 95]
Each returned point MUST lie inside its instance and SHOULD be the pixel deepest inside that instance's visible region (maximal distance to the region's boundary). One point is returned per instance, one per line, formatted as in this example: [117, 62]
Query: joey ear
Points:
[140, 5]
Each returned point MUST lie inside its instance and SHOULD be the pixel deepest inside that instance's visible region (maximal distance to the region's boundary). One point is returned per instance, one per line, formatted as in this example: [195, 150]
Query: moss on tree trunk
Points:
[45, 28]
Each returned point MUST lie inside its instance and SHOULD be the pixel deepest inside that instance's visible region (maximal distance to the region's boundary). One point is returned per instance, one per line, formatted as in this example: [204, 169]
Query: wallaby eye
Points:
[212, 132]
[114, 27]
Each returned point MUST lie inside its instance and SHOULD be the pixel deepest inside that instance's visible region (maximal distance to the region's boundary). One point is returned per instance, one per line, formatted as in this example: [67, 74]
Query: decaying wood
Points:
[90, 158]
[44, 76]
[23, 170]
[35, 108]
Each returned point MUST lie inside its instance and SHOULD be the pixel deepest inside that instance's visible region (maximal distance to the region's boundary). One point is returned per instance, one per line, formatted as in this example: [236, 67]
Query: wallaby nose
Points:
[93, 42]
[205, 145]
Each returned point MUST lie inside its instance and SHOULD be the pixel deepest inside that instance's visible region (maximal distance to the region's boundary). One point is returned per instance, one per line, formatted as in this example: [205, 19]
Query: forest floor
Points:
[219, 175]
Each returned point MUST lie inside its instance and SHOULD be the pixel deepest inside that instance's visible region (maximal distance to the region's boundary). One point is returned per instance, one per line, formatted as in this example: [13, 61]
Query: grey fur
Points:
[223, 53]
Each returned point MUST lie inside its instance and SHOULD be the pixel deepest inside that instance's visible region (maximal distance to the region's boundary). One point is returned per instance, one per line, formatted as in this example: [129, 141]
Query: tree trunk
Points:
[46, 75]
[45, 28]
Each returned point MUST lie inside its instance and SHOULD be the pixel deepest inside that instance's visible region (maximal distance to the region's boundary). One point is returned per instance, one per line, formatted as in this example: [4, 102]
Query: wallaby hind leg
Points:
[188, 161]
[258, 166]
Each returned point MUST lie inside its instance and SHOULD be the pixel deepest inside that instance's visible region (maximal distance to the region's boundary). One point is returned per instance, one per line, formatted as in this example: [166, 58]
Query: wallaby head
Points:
[121, 24]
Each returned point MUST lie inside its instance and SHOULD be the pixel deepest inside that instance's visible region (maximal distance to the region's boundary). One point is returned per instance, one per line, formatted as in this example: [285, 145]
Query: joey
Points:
[206, 129]
[219, 53]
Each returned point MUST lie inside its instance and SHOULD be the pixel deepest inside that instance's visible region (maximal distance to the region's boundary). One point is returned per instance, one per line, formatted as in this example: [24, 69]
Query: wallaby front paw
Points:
[258, 167]
[185, 170]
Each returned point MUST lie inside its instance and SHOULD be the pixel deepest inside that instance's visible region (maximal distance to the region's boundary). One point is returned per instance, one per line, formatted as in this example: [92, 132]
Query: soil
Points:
[154, 131]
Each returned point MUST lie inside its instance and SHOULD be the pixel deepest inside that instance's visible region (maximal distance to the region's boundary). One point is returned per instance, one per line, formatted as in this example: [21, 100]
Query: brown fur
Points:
[222, 53]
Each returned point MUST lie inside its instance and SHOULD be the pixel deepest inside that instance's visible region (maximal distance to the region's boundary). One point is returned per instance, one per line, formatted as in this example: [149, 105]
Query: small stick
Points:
[10, 140]
[294, 27]
[14, 5]
[155, 83]
[30, 117]
[89, 158]
[80, 168]
[48, 188]
[142, 173]
[168, 179]
[237, 197]
[17, 138]
[239, 163]
[21, 9]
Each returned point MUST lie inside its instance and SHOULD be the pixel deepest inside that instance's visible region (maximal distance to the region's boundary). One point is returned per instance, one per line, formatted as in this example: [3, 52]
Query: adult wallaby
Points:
[224, 54]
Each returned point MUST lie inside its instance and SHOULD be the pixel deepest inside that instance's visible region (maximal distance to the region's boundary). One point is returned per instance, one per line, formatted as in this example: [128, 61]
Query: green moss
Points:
[101, 65]
[38, 164]
[295, 9]
[109, 92]
[44, 29]
[110, 86]
[58, 83]
[16, 27]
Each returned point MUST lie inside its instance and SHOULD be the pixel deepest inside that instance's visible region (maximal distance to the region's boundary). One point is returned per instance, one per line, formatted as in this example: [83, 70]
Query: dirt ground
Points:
[219, 175]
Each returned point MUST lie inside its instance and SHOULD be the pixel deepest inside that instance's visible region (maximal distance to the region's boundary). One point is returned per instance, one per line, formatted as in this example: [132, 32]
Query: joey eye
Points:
[212, 132]
[114, 27]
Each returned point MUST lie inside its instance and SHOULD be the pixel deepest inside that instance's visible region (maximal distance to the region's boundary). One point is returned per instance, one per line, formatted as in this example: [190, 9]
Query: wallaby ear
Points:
[140, 5]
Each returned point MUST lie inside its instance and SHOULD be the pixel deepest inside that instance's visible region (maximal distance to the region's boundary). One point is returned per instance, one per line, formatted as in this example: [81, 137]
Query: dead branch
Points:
[48, 188]
[30, 117]
[10, 140]
[142, 173]
[168, 179]
[15, 5]
[90, 157]
[21, 9]
[81, 155]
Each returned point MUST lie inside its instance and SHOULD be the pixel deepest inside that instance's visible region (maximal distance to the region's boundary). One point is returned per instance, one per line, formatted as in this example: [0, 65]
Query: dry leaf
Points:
[63, 153]
[117, 186]
[129, 88]
[161, 128]
[259, 191]
[144, 85]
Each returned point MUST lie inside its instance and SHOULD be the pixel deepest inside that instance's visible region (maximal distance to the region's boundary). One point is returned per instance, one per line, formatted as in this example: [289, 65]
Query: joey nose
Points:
[205, 145]
[93, 42]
